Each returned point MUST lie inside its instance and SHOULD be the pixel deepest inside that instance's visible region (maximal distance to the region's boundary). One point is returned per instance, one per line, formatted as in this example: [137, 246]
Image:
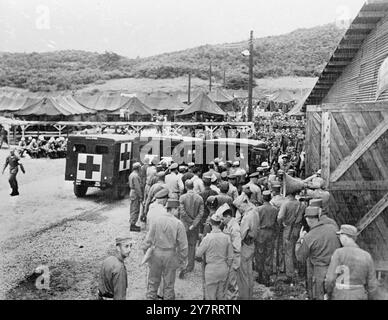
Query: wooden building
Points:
[347, 123]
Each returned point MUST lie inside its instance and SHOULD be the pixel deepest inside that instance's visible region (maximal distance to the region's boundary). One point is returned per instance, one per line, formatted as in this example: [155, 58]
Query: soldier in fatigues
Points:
[153, 191]
[13, 162]
[168, 236]
[323, 217]
[318, 245]
[265, 241]
[135, 196]
[256, 197]
[174, 182]
[232, 229]
[248, 228]
[351, 274]
[218, 252]
[113, 273]
[191, 213]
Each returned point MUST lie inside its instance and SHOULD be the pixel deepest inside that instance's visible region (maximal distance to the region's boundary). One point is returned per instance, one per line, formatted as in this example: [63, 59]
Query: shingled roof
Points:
[365, 22]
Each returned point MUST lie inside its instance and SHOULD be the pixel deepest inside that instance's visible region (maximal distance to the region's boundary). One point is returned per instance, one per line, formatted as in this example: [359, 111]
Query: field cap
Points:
[349, 230]
[122, 238]
[312, 212]
[162, 194]
[136, 165]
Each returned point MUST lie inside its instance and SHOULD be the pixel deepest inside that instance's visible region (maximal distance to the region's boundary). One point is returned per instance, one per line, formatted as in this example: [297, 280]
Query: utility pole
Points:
[224, 78]
[250, 84]
[210, 77]
[189, 89]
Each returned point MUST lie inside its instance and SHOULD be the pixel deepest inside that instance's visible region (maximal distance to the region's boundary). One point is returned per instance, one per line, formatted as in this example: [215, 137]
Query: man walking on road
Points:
[168, 237]
[113, 273]
[13, 162]
[191, 213]
[135, 196]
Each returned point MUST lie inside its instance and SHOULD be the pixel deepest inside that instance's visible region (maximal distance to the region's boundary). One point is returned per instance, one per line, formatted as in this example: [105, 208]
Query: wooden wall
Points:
[350, 143]
[358, 82]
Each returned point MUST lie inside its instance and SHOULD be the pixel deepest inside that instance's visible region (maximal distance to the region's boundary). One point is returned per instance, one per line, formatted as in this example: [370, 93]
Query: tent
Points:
[203, 104]
[135, 106]
[297, 109]
[102, 101]
[16, 102]
[219, 96]
[163, 103]
[281, 96]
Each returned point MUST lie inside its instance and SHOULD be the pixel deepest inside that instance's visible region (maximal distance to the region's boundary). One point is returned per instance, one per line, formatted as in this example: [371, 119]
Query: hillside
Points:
[300, 53]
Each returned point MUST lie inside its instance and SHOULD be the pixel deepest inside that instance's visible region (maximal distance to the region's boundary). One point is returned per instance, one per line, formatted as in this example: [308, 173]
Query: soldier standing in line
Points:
[174, 182]
[218, 252]
[135, 196]
[208, 192]
[233, 192]
[191, 213]
[248, 228]
[318, 245]
[265, 241]
[256, 197]
[168, 237]
[152, 192]
[323, 217]
[13, 162]
[113, 273]
[351, 274]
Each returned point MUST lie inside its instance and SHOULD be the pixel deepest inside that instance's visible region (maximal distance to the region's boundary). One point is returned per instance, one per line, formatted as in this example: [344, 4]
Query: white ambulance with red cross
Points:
[103, 161]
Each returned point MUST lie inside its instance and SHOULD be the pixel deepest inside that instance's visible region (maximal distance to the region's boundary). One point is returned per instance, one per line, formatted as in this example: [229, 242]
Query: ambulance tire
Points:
[119, 192]
[80, 190]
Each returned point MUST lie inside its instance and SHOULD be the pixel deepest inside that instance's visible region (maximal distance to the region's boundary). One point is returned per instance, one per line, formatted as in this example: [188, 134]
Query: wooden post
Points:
[210, 77]
[250, 83]
[325, 147]
[189, 90]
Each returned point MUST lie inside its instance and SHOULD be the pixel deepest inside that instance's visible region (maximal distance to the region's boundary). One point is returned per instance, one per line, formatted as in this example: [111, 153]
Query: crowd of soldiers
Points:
[269, 221]
[41, 148]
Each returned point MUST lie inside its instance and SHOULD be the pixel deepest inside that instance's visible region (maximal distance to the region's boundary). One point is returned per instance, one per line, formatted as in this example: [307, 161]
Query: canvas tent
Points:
[219, 96]
[163, 103]
[203, 105]
[133, 109]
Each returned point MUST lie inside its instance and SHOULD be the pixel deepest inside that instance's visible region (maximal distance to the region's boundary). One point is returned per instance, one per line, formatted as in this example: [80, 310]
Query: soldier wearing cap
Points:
[155, 188]
[229, 165]
[197, 181]
[157, 207]
[217, 249]
[285, 165]
[248, 228]
[211, 205]
[188, 175]
[168, 236]
[223, 197]
[214, 182]
[351, 274]
[265, 241]
[290, 218]
[256, 197]
[191, 213]
[174, 182]
[232, 229]
[143, 173]
[208, 192]
[135, 195]
[233, 192]
[277, 198]
[212, 170]
[113, 273]
[323, 217]
[318, 245]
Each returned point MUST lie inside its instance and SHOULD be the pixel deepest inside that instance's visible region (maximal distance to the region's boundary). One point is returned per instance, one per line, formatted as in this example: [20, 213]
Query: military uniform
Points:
[256, 197]
[249, 224]
[205, 195]
[362, 282]
[218, 251]
[198, 184]
[175, 185]
[13, 162]
[290, 216]
[135, 196]
[113, 279]
[265, 241]
[318, 245]
[191, 213]
[232, 192]
[167, 235]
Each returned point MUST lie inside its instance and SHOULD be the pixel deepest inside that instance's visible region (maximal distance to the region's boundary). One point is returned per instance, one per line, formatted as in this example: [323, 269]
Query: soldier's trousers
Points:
[134, 210]
[13, 183]
[232, 286]
[315, 282]
[163, 264]
[192, 238]
[245, 274]
[264, 252]
[289, 242]
[215, 291]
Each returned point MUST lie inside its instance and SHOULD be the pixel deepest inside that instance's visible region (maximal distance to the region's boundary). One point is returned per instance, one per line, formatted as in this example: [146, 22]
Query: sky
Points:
[147, 27]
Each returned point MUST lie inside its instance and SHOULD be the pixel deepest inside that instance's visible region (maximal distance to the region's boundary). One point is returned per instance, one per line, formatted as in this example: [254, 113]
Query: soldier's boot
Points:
[135, 228]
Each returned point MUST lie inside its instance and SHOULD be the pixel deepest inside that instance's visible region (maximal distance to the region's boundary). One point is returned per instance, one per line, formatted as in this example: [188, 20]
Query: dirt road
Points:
[48, 226]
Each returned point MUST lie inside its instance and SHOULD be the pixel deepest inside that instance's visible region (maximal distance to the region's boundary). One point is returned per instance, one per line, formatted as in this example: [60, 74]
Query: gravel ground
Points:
[48, 226]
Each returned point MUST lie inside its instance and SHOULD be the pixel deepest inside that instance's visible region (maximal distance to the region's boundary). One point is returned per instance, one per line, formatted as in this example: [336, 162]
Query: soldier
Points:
[218, 252]
[249, 224]
[174, 182]
[233, 192]
[290, 218]
[265, 241]
[232, 229]
[135, 196]
[214, 181]
[351, 274]
[197, 181]
[168, 237]
[157, 207]
[191, 213]
[223, 197]
[256, 197]
[277, 198]
[212, 170]
[152, 192]
[316, 191]
[3, 137]
[113, 273]
[211, 205]
[318, 245]
[13, 161]
[189, 174]
[323, 217]
[143, 173]
[205, 195]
